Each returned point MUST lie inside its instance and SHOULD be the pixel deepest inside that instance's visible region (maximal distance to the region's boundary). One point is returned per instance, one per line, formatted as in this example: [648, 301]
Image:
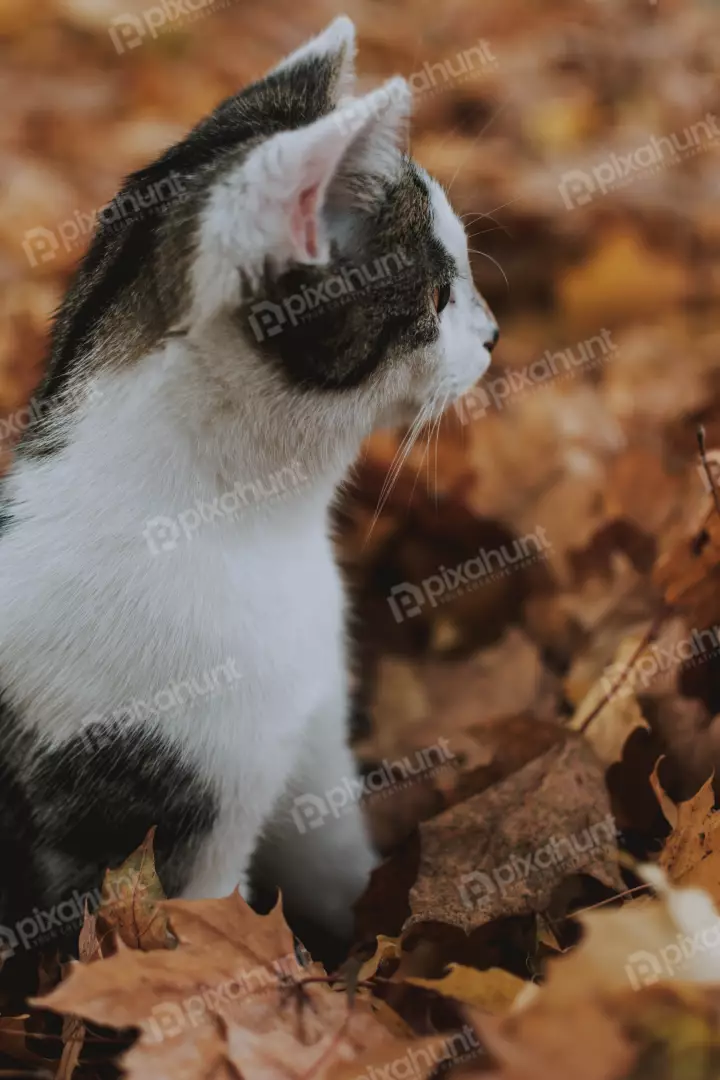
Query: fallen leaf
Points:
[620, 715]
[493, 990]
[130, 904]
[639, 944]
[505, 851]
[667, 806]
[542, 1044]
[223, 1002]
[387, 949]
[418, 1058]
[691, 853]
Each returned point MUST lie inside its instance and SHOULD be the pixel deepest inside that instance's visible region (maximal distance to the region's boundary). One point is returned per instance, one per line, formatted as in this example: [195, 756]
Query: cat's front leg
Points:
[250, 779]
[316, 847]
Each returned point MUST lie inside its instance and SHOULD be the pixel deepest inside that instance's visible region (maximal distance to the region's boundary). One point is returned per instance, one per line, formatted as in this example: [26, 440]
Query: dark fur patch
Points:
[109, 791]
[330, 327]
[70, 811]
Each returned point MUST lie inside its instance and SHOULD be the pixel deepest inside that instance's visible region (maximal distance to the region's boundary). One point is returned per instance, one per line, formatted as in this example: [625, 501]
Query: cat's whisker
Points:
[476, 251]
[479, 135]
[398, 452]
[437, 441]
[397, 465]
[489, 217]
[484, 232]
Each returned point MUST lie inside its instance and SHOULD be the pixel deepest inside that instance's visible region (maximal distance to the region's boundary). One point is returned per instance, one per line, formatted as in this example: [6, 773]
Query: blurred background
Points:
[509, 565]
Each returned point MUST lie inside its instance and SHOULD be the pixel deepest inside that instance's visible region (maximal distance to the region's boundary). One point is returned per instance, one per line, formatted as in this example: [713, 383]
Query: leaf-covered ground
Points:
[535, 582]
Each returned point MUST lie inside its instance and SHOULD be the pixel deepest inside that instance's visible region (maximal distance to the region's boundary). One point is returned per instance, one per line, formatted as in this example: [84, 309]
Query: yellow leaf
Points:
[130, 902]
[387, 949]
[494, 990]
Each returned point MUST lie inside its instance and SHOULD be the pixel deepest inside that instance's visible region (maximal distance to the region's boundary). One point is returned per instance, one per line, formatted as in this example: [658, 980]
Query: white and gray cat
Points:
[275, 287]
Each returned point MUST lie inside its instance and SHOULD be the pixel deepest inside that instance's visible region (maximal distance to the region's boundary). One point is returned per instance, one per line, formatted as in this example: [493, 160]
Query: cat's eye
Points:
[441, 297]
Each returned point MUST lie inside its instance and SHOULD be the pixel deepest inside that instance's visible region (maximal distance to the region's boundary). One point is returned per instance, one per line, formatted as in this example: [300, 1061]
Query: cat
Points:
[275, 287]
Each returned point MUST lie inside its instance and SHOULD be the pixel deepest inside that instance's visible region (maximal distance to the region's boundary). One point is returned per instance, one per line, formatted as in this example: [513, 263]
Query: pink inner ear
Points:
[304, 222]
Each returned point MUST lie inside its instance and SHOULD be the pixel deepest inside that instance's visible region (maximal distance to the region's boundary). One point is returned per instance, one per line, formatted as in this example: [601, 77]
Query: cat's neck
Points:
[171, 433]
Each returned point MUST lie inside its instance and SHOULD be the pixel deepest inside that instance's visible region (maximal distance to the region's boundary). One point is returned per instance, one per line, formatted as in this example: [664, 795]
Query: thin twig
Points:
[611, 899]
[647, 639]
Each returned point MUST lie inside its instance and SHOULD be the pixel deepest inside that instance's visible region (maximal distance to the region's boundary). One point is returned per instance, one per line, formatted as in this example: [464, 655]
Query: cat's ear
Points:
[339, 162]
[330, 57]
[279, 204]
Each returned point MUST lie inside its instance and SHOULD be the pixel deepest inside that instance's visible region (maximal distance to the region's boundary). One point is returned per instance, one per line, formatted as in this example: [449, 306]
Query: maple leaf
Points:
[224, 1002]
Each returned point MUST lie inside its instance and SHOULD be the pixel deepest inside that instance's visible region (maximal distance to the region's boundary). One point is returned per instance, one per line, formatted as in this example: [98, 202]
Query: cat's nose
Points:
[493, 340]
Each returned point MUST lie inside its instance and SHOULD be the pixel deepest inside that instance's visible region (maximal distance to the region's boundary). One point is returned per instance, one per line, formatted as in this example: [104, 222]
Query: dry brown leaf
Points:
[73, 1036]
[689, 573]
[673, 936]
[612, 726]
[222, 1000]
[493, 991]
[417, 1059]
[542, 1044]
[691, 853]
[667, 806]
[504, 852]
[131, 900]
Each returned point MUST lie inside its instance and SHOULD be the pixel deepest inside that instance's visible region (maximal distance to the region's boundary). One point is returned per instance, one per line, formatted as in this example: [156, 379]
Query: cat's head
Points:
[319, 272]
